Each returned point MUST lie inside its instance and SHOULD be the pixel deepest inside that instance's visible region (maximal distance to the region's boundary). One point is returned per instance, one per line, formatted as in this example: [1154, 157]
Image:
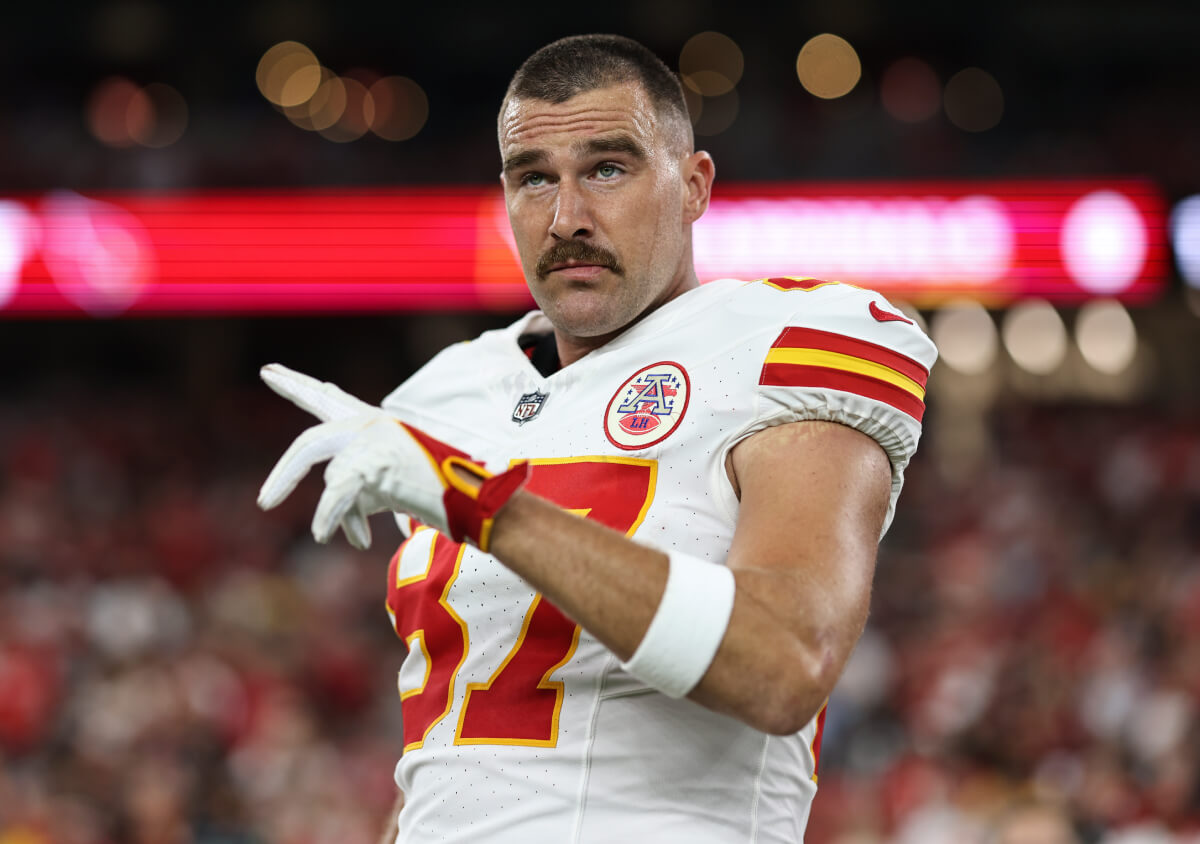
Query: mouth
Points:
[577, 271]
[571, 265]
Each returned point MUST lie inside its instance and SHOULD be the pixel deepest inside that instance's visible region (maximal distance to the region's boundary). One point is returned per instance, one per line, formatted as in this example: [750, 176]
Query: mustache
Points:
[579, 251]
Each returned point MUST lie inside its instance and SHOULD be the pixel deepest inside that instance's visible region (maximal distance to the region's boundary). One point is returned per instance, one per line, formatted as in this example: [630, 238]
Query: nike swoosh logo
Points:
[886, 316]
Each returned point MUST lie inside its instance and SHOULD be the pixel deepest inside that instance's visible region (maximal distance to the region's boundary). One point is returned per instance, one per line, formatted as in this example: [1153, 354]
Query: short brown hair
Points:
[580, 63]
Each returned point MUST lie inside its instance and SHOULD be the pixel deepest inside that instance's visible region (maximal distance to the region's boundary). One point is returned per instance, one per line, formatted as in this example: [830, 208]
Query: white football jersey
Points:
[518, 726]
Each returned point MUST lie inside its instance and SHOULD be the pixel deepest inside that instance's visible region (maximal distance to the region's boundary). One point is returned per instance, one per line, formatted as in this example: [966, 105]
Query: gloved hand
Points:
[376, 463]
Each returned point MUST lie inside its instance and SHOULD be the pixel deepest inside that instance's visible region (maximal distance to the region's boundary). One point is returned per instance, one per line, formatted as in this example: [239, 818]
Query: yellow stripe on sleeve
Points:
[848, 363]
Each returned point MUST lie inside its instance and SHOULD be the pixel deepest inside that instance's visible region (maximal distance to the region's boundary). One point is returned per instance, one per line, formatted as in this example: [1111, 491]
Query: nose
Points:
[572, 216]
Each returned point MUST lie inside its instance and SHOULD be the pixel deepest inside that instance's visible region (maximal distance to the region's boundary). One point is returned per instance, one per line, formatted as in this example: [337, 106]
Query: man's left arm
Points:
[813, 500]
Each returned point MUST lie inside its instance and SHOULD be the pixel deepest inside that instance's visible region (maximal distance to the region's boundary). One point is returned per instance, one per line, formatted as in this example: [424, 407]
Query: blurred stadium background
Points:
[176, 666]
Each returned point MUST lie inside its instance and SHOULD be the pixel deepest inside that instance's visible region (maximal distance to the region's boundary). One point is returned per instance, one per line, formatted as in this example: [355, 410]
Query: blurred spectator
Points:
[1034, 823]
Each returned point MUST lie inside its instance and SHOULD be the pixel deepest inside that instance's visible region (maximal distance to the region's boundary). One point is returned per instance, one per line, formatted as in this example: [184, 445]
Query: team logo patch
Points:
[648, 406]
[528, 407]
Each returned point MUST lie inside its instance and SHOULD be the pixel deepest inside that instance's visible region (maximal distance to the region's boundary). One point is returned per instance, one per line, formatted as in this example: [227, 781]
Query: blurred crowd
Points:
[1032, 662]
[176, 666]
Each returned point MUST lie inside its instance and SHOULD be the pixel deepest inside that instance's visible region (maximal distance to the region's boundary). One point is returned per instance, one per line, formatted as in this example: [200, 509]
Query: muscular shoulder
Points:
[838, 353]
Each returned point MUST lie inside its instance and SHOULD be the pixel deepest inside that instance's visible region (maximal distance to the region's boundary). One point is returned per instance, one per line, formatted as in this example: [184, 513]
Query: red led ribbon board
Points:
[356, 251]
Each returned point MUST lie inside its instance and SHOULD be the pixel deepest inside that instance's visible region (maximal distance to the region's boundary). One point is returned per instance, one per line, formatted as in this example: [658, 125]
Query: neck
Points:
[571, 349]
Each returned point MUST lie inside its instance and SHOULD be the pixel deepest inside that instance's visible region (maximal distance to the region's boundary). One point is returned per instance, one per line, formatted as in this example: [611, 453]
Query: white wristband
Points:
[687, 627]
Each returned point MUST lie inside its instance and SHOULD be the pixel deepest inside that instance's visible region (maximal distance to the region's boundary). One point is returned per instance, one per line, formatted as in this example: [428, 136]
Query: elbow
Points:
[796, 696]
[787, 718]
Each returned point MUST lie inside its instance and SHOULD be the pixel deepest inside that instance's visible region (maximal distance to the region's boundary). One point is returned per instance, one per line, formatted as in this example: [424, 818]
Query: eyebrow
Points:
[525, 158]
[614, 143]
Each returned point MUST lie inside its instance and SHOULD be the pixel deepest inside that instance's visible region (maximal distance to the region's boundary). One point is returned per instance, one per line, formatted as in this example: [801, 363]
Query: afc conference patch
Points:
[648, 407]
[528, 406]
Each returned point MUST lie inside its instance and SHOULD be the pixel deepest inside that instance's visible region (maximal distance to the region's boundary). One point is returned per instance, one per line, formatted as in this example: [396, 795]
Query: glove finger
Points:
[342, 488]
[357, 528]
[407, 524]
[321, 442]
[323, 400]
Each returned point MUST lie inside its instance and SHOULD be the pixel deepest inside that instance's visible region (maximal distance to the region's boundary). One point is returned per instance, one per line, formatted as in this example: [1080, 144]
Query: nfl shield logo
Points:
[528, 406]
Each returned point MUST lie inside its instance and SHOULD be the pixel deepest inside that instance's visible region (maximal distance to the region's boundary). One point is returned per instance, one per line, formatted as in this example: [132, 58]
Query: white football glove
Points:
[378, 462]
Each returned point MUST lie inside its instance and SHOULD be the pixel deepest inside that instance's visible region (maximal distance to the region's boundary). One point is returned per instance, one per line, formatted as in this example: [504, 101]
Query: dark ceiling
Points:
[1089, 88]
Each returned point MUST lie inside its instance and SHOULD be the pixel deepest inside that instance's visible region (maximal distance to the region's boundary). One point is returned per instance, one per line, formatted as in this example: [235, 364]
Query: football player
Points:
[643, 518]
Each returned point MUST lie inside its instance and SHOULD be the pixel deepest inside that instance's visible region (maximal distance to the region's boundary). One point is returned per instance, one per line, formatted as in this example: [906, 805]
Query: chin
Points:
[589, 318]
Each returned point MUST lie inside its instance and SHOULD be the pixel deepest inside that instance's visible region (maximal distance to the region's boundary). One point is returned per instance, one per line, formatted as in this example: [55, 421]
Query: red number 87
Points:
[518, 704]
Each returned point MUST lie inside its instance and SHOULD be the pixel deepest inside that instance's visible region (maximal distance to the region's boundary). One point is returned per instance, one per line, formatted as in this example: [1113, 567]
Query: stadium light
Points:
[1034, 336]
[965, 336]
[1106, 336]
[1185, 238]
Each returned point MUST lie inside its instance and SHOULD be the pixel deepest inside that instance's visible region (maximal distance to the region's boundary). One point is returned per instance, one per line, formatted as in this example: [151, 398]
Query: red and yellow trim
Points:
[416, 637]
[419, 636]
[796, 283]
[818, 734]
[809, 357]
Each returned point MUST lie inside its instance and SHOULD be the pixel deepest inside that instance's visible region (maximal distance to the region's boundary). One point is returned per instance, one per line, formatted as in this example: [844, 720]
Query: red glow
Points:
[374, 250]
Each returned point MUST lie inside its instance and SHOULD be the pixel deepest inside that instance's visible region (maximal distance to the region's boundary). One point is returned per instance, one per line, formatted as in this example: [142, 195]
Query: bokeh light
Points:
[910, 90]
[1106, 336]
[167, 118]
[301, 85]
[98, 253]
[302, 114]
[717, 115]
[19, 233]
[401, 108]
[120, 113]
[965, 336]
[828, 67]
[1034, 336]
[1185, 238]
[973, 100]
[357, 115]
[1104, 242]
[711, 64]
[113, 106]
[328, 104]
[340, 108]
[288, 74]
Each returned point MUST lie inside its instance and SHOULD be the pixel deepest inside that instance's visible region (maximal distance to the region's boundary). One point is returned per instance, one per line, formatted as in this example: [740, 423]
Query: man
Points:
[683, 494]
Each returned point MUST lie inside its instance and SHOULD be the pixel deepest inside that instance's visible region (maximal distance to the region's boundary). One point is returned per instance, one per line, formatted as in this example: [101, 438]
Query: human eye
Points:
[608, 170]
[533, 180]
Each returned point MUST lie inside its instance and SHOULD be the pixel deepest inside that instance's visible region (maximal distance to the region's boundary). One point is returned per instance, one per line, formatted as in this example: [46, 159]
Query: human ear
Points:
[698, 172]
